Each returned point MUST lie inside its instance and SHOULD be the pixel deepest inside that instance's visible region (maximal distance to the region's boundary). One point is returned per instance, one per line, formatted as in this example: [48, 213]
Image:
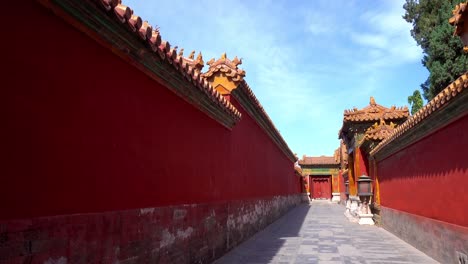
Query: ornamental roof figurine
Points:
[226, 66]
[460, 15]
[224, 74]
[197, 64]
[378, 132]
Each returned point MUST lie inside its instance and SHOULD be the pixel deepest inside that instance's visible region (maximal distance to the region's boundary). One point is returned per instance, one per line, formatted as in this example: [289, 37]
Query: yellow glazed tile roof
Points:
[375, 112]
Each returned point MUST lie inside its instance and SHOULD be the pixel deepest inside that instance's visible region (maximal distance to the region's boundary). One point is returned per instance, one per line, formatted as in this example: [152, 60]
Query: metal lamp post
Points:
[365, 192]
[364, 185]
[347, 188]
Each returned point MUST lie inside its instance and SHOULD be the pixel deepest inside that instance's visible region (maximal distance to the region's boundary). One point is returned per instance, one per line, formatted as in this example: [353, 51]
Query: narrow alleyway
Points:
[320, 233]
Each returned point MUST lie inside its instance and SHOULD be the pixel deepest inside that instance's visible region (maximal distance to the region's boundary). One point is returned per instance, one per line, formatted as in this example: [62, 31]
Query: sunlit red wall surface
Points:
[363, 164]
[430, 177]
[84, 131]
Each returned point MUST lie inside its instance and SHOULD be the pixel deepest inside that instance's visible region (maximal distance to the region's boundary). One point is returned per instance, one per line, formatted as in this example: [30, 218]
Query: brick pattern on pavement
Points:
[320, 233]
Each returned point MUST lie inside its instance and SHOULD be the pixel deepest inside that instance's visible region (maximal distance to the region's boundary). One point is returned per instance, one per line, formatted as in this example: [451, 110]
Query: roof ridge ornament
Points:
[375, 112]
[380, 131]
[224, 74]
[460, 14]
[197, 64]
[236, 61]
[192, 55]
[199, 59]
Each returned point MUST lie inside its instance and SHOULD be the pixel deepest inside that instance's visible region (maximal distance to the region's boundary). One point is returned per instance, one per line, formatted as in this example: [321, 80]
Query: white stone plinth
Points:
[305, 197]
[352, 206]
[352, 218]
[335, 197]
[366, 219]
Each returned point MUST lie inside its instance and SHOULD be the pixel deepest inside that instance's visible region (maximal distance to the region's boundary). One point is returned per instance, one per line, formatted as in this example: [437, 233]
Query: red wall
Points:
[83, 131]
[363, 164]
[430, 177]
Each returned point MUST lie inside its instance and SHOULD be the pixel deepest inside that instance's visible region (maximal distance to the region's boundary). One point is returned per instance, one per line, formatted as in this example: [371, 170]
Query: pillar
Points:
[335, 187]
[351, 179]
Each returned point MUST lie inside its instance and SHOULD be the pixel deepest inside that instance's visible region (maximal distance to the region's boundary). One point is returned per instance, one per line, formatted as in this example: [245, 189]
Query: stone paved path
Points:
[320, 233]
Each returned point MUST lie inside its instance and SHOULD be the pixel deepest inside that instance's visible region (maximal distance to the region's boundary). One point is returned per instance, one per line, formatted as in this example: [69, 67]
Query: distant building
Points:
[322, 175]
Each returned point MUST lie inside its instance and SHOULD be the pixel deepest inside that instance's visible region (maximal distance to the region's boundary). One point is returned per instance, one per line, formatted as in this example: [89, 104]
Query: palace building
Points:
[322, 175]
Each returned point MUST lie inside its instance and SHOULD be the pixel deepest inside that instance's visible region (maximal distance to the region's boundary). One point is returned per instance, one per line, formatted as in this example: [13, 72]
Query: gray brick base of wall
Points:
[190, 233]
[442, 241]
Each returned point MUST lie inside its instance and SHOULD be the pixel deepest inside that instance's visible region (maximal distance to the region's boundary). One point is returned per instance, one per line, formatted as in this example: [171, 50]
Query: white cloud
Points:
[372, 40]
[389, 32]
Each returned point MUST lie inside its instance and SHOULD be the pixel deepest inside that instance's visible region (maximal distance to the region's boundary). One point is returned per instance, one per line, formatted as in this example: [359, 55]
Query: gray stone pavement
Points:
[320, 233]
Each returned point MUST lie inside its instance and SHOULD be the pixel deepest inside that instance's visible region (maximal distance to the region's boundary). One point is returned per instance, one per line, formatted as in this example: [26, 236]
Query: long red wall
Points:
[429, 178]
[83, 131]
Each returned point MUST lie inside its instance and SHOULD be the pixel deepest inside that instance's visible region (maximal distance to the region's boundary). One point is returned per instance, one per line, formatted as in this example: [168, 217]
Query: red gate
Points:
[320, 187]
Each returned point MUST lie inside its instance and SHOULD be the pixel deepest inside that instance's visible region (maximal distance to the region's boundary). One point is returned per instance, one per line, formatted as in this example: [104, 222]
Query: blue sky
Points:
[306, 61]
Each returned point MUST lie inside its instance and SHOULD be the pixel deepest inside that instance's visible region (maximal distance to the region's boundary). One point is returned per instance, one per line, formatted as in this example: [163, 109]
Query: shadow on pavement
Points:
[280, 236]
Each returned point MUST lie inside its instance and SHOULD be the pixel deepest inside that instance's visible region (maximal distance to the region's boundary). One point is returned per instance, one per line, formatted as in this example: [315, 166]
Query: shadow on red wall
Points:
[429, 178]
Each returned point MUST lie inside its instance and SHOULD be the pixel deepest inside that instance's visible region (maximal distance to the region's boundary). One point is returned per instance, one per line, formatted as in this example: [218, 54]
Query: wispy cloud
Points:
[317, 23]
[387, 31]
[371, 40]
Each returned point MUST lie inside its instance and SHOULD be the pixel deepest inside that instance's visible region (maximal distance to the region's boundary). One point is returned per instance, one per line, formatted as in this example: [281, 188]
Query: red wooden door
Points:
[321, 188]
[316, 188]
[326, 188]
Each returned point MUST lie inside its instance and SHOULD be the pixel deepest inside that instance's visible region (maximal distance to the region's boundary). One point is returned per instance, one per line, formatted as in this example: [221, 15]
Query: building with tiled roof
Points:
[322, 175]
[374, 121]
[364, 128]
[361, 131]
